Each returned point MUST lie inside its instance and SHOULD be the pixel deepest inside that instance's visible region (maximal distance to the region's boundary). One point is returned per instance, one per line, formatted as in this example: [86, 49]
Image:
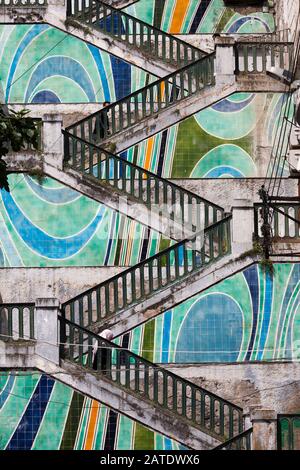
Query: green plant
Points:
[267, 266]
[257, 248]
[16, 132]
[38, 174]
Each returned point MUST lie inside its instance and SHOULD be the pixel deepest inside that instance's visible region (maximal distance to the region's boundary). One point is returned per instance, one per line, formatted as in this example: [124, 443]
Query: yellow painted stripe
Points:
[179, 15]
[92, 425]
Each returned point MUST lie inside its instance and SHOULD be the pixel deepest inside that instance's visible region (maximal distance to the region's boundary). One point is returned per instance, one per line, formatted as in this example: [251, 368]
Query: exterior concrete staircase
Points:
[186, 412]
[123, 381]
[148, 289]
[158, 398]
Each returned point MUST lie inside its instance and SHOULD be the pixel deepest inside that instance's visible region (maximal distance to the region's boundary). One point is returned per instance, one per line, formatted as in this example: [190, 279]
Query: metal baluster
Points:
[124, 290]
[212, 414]
[21, 322]
[98, 303]
[127, 369]
[193, 405]
[174, 389]
[155, 385]
[222, 421]
[107, 300]
[231, 427]
[31, 323]
[90, 351]
[202, 409]
[146, 380]
[183, 399]
[118, 365]
[137, 376]
[133, 285]
[165, 389]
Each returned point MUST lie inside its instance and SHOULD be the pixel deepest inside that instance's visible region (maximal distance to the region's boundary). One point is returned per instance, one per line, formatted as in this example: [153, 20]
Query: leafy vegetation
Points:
[17, 131]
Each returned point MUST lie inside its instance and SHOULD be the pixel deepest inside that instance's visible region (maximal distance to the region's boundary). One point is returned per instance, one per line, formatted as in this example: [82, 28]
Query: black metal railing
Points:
[192, 212]
[284, 223]
[151, 382]
[142, 280]
[242, 441]
[136, 33]
[17, 321]
[288, 432]
[23, 3]
[144, 103]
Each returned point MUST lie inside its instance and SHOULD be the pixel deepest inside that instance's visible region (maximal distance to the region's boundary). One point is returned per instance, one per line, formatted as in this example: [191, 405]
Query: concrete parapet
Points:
[46, 328]
[242, 226]
[264, 423]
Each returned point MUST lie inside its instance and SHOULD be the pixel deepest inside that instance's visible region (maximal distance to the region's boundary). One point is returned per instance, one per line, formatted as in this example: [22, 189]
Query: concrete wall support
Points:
[53, 139]
[242, 226]
[225, 61]
[264, 424]
[46, 328]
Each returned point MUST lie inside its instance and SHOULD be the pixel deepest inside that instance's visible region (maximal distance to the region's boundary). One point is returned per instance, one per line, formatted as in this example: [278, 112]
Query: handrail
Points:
[23, 3]
[152, 258]
[216, 415]
[17, 320]
[145, 172]
[168, 79]
[158, 272]
[258, 57]
[240, 442]
[283, 223]
[280, 36]
[129, 27]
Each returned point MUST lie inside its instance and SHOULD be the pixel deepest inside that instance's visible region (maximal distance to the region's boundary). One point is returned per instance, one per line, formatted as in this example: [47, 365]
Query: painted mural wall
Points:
[228, 139]
[39, 413]
[251, 316]
[47, 224]
[224, 140]
[200, 16]
[41, 64]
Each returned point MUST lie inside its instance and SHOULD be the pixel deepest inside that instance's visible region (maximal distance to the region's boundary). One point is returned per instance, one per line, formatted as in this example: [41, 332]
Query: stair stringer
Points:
[167, 298]
[132, 405]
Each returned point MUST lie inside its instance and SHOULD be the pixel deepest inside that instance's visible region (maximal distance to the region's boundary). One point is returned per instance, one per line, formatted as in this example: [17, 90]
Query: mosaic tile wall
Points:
[220, 141]
[200, 16]
[250, 316]
[41, 64]
[39, 413]
[49, 224]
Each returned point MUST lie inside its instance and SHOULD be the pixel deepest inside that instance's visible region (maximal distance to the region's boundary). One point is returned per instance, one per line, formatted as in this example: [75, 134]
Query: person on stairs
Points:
[100, 352]
[103, 124]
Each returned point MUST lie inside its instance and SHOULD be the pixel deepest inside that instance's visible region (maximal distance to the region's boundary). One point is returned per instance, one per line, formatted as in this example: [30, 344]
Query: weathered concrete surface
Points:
[225, 190]
[264, 423]
[46, 314]
[60, 282]
[265, 385]
[286, 14]
[102, 192]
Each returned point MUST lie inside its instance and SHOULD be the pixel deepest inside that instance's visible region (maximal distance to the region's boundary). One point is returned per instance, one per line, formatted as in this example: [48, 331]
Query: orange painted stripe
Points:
[179, 15]
[149, 149]
[92, 425]
[162, 91]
